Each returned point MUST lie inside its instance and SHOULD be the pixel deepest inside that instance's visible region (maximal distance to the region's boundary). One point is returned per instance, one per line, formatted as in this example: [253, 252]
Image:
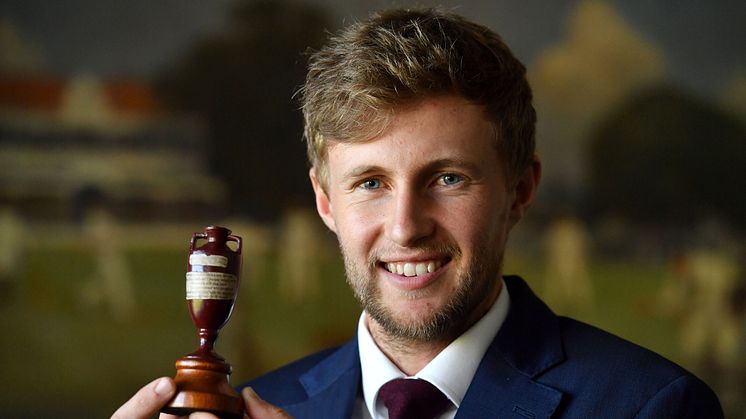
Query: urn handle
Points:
[193, 241]
[238, 242]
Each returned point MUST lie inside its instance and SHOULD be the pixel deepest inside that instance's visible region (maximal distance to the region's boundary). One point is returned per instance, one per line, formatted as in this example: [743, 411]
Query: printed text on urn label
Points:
[210, 286]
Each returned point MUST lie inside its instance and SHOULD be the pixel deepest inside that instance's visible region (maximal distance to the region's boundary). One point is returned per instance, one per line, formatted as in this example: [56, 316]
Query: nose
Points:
[409, 221]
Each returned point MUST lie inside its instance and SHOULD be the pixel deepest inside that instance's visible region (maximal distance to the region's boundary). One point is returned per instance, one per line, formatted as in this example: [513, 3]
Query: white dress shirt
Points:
[451, 371]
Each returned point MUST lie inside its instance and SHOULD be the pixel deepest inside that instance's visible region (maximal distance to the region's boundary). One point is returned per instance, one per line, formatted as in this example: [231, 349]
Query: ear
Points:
[525, 191]
[323, 205]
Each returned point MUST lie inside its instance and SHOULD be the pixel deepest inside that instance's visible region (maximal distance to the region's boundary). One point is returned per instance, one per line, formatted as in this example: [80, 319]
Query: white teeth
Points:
[413, 269]
[409, 269]
[421, 268]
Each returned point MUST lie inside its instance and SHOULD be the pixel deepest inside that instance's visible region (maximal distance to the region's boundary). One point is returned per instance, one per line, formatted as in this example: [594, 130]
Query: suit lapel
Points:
[500, 391]
[332, 386]
[528, 344]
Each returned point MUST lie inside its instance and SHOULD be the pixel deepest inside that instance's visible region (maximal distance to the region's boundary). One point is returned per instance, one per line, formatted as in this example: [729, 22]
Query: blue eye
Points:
[450, 179]
[370, 184]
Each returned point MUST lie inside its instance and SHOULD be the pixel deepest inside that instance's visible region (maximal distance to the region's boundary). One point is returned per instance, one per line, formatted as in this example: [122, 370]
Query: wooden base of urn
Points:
[202, 385]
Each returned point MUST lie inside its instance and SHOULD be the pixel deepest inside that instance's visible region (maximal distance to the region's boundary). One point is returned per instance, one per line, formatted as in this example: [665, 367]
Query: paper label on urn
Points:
[210, 286]
[208, 260]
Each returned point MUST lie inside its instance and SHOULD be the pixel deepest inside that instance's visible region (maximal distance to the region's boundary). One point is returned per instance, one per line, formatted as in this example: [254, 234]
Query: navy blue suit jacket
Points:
[539, 366]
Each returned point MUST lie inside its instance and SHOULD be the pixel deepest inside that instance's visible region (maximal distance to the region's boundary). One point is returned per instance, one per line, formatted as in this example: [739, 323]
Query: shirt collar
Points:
[451, 371]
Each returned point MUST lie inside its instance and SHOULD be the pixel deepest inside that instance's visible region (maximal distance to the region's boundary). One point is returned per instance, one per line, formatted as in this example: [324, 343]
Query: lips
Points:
[414, 274]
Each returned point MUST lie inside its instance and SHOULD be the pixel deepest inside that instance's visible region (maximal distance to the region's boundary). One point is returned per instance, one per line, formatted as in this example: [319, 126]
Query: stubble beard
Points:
[475, 281]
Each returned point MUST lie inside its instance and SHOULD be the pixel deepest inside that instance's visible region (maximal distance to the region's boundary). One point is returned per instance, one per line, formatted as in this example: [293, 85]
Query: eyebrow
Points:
[430, 167]
[452, 162]
[361, 171]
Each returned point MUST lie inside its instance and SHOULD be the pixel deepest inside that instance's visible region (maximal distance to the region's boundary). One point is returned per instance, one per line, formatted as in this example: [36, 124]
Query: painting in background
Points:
[127, 126]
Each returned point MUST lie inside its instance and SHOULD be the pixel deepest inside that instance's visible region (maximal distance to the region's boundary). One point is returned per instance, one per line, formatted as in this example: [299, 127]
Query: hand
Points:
[148, 400]
[259, 409]
[151, 398]
[256, 408]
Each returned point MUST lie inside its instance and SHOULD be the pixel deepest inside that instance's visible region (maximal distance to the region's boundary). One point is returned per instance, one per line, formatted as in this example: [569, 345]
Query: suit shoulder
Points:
[598, 348]
[282, 385]
[623, 374]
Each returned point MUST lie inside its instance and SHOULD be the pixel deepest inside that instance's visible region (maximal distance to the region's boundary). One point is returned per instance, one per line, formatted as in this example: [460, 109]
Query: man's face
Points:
[422, 214]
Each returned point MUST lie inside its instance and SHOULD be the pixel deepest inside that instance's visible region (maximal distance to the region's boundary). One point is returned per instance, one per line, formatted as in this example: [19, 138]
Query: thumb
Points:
[148, 400]
[259, 409]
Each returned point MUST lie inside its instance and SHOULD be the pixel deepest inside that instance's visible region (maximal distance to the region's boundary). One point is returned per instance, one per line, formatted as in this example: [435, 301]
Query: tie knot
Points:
[412, 399]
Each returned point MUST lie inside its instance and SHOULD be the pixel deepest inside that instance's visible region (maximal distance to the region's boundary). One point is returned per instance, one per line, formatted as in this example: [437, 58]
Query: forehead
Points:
[438, 128]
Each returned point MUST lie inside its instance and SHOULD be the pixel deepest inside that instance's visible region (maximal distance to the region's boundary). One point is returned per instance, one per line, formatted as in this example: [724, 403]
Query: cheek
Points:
[355, 230]
[483, 226]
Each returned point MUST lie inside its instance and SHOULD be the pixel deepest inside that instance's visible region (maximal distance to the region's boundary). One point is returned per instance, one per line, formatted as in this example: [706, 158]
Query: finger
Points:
[202, 415]
[148, 400]
[259, 409]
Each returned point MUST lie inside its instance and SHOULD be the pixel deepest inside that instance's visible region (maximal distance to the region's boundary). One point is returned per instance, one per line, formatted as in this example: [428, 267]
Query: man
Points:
[420, 133]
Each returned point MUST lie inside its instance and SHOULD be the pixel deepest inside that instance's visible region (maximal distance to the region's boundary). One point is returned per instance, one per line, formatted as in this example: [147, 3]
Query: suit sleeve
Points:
[685, 397]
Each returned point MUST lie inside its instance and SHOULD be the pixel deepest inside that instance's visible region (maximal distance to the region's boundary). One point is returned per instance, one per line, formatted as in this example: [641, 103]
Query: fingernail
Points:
[249, 392]
[163, 386]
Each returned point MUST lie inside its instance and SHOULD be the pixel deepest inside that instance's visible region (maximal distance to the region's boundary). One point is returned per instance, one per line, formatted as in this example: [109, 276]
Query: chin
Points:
[414, 316]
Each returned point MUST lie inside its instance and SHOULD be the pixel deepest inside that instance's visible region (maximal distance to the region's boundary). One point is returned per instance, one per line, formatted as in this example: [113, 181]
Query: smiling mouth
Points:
[410, 269]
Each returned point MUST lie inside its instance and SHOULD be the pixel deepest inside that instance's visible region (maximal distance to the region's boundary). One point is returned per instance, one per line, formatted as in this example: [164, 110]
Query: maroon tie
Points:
[412, 399]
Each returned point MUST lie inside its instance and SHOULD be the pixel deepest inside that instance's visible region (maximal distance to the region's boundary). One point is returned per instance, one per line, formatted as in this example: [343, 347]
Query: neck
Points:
[410, 355]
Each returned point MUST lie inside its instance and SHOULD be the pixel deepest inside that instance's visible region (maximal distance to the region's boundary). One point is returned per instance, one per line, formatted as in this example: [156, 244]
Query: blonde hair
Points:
[394, 58]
